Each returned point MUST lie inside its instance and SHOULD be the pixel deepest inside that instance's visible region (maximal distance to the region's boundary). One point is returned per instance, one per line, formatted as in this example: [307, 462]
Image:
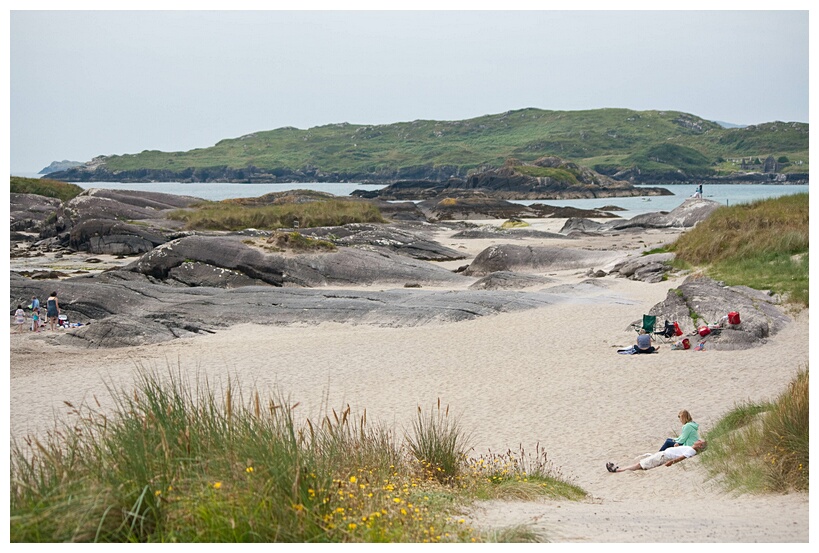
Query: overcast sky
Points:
[89, 83]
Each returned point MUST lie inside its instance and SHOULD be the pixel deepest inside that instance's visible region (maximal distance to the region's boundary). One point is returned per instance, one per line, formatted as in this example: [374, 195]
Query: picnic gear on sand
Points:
[704, 331]
[733, 318]
[685, 343]
[668, 330]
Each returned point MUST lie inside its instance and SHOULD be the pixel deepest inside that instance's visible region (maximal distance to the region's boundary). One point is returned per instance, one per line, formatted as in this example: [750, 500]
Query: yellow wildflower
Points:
[249, 469]
[217, 485]
[352, 479]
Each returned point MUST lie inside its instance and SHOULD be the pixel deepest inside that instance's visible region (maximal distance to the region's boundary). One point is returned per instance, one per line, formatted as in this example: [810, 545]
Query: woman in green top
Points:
[688, 435]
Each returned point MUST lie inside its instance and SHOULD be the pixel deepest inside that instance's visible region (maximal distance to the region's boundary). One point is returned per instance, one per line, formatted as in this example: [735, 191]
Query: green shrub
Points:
[230, 216]
[764, 446]
[438, 443]
[297, 241]
[45, 187]
[554, 173]
[786, 437]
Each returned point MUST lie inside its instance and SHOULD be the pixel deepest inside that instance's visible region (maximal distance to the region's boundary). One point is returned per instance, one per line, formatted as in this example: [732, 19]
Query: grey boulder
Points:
[700, 301]
[510, 257]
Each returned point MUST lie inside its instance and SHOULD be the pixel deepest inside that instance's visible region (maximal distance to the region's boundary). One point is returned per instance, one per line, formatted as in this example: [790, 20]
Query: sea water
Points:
[725, 194]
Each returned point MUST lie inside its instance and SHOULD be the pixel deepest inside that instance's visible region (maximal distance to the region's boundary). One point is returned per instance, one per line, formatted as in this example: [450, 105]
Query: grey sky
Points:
[88, 83]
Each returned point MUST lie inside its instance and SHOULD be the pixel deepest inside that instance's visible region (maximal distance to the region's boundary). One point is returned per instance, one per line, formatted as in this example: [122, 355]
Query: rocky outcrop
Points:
[510, 257]
[647, 268]
[55, 166]
[544, 179]
[120, 308]
[702, 301]
[151, 208]
[472, 205]
[29, 212]
[491, 231]
[106, 236]
[117, 222]
[506, 280]
[97, 171]
[686, 215]
[345, 266]
[389, 237]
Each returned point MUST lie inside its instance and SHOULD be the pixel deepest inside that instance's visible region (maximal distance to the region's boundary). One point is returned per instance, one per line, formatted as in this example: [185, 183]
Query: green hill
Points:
[608, 140]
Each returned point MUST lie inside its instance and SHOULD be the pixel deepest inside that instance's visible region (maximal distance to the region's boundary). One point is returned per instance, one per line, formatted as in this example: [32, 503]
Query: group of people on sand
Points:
[673, 450]
[52, 314]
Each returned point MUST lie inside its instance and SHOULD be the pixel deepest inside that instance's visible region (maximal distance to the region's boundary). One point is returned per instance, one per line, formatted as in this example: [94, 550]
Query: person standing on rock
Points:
[52, 310]
[35, 303]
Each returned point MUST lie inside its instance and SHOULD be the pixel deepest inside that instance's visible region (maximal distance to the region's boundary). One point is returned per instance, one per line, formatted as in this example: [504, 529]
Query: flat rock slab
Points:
[120, 308]
[390, 237]
[511, 257]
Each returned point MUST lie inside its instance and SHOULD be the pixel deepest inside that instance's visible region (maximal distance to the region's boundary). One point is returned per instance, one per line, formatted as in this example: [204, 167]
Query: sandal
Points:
[611, 468]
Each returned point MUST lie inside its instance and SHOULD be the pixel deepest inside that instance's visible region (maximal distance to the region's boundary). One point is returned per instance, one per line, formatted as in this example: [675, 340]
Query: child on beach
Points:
[19, 318]
[35, 319]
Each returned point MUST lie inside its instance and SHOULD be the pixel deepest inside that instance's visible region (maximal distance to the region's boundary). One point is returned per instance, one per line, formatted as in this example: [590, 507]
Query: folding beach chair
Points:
[647, 324]
[666, 334]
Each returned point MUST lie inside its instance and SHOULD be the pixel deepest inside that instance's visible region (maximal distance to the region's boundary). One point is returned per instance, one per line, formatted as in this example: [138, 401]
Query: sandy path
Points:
[549, 376]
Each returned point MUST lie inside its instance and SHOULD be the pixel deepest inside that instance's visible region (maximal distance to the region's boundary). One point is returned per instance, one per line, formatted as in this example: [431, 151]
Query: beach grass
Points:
[763, 245]
[232, 216]
[181, 461]
[764, 447]
[45, 187]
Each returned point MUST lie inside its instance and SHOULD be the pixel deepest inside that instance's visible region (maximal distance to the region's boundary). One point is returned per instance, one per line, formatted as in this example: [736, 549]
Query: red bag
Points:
[686, 343]
[733, 318]
[703, 331]
[677, 330]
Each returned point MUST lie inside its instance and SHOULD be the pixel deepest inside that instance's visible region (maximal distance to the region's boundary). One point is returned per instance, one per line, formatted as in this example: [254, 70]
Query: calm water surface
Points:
[726, 194]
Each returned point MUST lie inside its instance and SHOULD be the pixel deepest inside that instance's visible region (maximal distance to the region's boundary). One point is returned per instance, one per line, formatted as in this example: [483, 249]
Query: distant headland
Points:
[639, 147]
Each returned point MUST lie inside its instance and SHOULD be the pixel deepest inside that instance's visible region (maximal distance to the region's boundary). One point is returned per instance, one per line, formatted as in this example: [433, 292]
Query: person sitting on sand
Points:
[688, 435]
[644, 340]
[668, 457]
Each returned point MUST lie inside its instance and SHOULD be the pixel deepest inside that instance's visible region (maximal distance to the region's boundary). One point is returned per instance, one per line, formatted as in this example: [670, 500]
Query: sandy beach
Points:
[548, 377]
